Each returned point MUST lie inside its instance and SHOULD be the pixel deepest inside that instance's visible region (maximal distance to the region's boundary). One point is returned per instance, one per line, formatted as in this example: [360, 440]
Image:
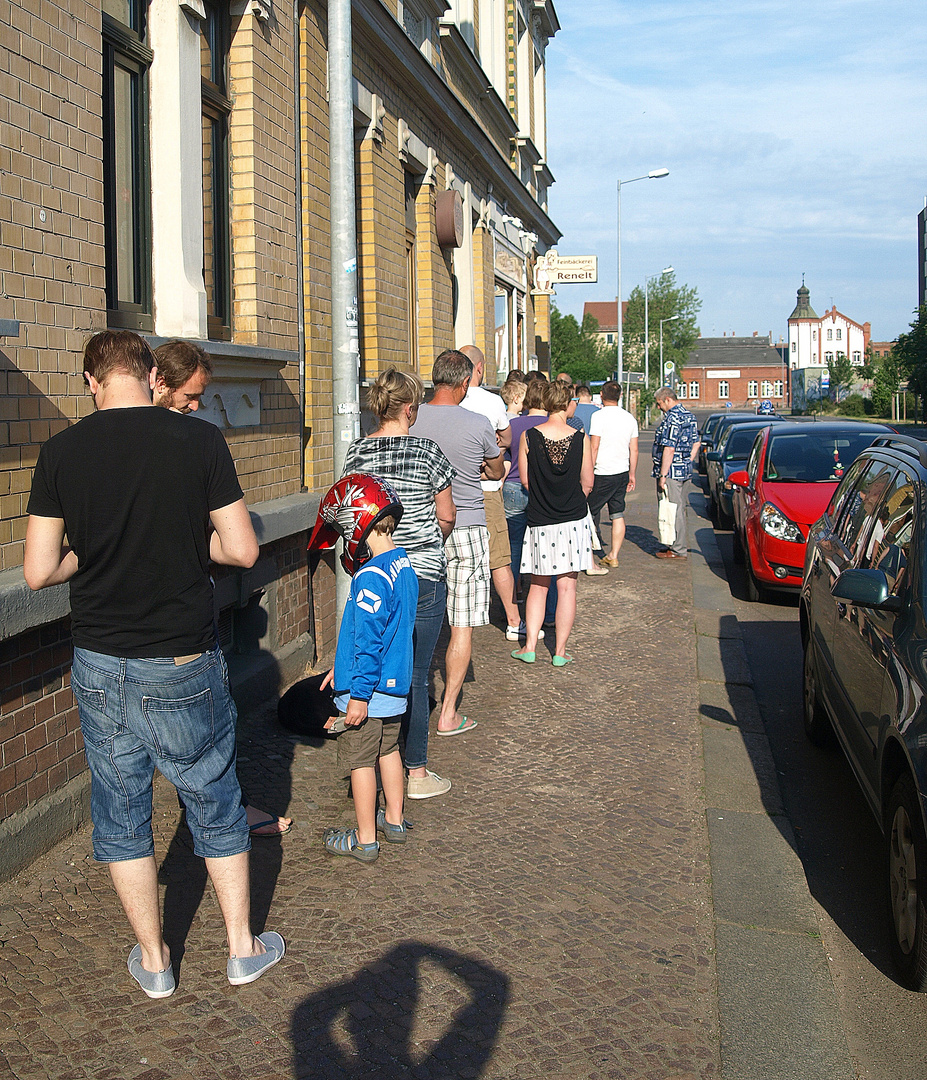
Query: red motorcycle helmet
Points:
[350, 510]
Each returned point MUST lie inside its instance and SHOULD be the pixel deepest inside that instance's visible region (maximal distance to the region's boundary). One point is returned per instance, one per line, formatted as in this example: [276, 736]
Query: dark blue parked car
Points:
[731, 455]
[864, 632]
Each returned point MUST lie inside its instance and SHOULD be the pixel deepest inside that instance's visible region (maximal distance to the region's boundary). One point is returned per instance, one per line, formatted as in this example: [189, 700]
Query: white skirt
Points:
[558, 549]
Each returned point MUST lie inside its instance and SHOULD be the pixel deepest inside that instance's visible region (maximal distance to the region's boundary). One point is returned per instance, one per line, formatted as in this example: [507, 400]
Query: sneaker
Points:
[246, 969]
[156, 984]
[427, 786]
[513, 633]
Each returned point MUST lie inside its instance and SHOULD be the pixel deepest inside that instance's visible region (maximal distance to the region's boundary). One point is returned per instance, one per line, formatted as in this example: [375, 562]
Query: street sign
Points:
[669, 367]
[636, 377]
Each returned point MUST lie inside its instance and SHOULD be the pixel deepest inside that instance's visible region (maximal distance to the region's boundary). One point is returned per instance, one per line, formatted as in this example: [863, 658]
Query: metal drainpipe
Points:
[345, 355]
[300, 296]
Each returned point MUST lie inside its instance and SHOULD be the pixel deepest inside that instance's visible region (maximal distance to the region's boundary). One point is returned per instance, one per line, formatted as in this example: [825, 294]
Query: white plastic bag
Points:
[666, 520]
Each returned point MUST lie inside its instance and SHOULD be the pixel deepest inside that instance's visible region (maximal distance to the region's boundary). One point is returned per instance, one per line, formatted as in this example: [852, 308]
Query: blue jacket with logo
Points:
[374, 655]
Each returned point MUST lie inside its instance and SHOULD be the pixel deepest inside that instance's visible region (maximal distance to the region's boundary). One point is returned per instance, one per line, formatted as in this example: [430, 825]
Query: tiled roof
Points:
[734, 352]
[605, 313]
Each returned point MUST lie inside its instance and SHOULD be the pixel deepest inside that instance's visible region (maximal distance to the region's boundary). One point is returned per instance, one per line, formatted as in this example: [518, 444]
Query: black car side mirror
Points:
[866, 588]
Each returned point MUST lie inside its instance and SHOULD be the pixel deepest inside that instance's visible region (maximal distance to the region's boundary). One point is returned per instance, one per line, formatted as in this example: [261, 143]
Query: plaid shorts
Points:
[467, 551]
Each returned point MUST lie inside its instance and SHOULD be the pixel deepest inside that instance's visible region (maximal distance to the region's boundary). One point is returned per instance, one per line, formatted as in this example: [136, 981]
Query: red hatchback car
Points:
[792, 471]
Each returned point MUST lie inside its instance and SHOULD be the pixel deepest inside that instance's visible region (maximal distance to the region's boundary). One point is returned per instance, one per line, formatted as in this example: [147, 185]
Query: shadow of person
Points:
[376, 1011]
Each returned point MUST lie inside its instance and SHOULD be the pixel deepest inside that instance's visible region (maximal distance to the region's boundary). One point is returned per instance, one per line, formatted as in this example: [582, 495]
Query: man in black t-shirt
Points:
[135, 489]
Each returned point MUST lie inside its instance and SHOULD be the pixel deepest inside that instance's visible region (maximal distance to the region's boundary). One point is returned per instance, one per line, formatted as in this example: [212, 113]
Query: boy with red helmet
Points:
[373, 663]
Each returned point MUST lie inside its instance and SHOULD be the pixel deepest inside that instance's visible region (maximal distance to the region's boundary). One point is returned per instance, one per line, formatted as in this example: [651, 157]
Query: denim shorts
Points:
[140, 715]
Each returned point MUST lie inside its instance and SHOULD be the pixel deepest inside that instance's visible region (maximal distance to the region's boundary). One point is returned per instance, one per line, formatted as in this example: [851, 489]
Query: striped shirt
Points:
[418, 470]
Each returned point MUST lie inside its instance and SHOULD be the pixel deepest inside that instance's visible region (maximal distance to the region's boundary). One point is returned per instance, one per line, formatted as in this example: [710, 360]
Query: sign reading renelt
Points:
[567, 268]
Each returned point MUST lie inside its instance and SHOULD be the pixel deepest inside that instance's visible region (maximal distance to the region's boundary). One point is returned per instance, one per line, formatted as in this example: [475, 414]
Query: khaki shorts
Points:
[500, 553]
[359, 747]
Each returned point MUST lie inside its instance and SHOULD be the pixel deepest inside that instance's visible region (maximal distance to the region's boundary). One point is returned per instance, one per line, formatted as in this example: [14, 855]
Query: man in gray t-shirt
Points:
[469, 442]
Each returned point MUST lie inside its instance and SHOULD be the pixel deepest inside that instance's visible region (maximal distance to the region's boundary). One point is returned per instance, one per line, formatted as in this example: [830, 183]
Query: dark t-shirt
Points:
[135, 488]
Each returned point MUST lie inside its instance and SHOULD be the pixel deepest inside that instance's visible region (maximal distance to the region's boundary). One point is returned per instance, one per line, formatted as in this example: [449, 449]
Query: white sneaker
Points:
[513, 633]
[427, 786]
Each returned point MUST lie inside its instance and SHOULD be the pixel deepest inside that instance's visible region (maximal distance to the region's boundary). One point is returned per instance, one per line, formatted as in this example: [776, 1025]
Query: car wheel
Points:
[817, 725]
[738, 547]
[724, 520]
[906, 850]
[756, 593]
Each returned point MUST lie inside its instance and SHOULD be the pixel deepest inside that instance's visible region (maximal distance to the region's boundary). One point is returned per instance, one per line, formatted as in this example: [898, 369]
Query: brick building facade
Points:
[151, 178]
[734, 370]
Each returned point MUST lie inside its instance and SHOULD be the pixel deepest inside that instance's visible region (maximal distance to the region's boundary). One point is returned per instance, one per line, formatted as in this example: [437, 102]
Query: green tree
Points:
[842, 373]
[665, 299]
[886, 378]
[575, 348]
[910, 354]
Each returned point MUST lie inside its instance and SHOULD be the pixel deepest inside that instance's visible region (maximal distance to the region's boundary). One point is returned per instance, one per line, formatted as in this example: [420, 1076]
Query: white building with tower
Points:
[814, 341]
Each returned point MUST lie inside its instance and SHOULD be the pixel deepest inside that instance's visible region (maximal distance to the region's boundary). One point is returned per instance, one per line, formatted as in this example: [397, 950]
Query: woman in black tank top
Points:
[555, 464]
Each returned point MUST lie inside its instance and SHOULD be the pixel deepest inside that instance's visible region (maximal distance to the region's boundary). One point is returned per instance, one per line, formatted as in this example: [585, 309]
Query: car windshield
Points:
[739, 443]
[814, 457]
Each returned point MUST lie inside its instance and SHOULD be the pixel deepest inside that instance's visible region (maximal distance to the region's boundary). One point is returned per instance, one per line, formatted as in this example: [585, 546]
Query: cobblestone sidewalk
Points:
[550, 917]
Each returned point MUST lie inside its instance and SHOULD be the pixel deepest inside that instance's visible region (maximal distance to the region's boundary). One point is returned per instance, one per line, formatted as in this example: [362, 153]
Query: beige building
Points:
[152, 178]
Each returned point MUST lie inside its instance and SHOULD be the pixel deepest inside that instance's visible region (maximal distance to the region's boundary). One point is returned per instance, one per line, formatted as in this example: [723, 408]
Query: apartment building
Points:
[164, 168]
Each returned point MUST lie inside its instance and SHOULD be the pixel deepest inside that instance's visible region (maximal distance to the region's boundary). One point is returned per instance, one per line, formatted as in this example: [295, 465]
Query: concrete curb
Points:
[777, 1005]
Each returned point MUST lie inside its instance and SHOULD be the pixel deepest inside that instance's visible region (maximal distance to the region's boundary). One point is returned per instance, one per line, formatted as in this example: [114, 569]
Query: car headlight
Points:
[778, 525]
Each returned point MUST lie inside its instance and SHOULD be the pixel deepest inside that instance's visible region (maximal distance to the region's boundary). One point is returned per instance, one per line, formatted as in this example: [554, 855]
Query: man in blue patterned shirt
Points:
[675, 448]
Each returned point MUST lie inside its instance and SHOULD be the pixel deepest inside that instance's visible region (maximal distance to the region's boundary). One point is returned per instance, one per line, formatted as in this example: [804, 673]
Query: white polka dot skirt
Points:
[557, 549]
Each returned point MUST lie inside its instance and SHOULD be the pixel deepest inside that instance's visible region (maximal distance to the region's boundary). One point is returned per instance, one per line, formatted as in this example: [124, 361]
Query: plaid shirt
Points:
[418, 470]
[678, 429]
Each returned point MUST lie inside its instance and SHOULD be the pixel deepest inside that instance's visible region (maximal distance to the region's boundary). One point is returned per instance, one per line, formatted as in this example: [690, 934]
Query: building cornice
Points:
[457, 44]
[384, 37]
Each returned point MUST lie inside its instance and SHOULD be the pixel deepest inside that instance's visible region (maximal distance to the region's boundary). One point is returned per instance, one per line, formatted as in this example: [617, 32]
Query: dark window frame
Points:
[216, 111]
[125, 47]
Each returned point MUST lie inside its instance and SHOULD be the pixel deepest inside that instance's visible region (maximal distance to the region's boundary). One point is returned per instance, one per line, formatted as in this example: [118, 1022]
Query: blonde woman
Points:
[555, 465]
[421, 475]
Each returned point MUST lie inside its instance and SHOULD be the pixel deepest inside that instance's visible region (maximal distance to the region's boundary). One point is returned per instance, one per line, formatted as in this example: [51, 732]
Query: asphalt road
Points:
[839, 845]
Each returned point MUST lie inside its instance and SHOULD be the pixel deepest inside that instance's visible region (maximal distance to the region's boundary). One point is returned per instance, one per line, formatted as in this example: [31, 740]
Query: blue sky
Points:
[796, 139]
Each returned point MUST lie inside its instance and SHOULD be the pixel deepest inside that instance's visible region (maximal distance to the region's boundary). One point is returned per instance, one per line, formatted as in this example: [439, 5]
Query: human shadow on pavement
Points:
[363, 1026]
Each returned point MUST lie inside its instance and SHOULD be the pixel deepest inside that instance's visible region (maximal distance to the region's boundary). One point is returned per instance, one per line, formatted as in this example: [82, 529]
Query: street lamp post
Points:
[662, 321]
[655, 175]
[666, 270]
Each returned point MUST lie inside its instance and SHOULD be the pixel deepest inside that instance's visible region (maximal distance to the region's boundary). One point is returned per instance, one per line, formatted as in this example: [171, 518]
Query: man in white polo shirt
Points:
[614, 434]
[482, 401]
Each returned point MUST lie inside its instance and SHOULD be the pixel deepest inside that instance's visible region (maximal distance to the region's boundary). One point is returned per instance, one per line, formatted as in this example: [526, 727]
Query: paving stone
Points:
[551, 916]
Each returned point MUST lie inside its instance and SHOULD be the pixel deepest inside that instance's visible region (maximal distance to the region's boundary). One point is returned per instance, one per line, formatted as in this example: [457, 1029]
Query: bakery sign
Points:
[553, 269]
